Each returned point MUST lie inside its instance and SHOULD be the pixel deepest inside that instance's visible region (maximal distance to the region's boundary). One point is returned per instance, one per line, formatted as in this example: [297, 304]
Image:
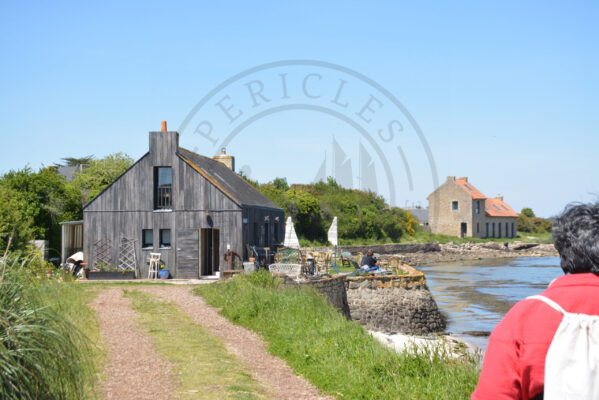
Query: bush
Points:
[43, 354]
[364, 217]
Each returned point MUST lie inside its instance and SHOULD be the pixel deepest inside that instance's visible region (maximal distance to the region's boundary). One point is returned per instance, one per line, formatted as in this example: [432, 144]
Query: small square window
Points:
[454, 205]
[165, 238]
[147, 238]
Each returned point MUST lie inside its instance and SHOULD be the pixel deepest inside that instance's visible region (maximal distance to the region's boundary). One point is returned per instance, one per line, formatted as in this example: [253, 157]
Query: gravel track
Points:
[271, 372]
[133, 370]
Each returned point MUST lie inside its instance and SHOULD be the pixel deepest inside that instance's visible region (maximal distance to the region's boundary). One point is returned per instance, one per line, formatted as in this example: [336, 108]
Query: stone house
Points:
[457, 208]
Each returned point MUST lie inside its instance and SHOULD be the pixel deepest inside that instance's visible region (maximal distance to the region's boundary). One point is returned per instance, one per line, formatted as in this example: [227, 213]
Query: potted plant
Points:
[107, 272]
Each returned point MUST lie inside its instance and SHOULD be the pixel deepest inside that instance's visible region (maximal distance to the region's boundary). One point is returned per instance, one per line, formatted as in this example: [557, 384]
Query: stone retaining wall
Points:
[394, 304]
[390, 304]
[333, 289]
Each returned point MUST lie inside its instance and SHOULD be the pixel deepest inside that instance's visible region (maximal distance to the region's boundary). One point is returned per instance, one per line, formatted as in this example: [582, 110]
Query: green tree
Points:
[527, 211]
[15, 220]
[100, 173]
[304, 208]
[46, 201]
[76, 161]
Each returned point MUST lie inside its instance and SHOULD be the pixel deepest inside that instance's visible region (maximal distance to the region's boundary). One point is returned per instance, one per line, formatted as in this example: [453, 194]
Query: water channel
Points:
[475, 295]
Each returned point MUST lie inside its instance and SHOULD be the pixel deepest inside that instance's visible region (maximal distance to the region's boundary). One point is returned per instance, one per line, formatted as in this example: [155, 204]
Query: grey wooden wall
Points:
[125, 208]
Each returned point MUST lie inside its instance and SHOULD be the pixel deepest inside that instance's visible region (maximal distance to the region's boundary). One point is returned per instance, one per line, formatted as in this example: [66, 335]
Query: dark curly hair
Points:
[576, 238]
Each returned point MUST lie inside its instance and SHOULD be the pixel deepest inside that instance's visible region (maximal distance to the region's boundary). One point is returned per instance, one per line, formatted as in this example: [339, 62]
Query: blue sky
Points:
[505, 93]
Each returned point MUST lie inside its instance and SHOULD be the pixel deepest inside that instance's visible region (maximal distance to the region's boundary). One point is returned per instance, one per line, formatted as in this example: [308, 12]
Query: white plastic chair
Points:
[154, 265]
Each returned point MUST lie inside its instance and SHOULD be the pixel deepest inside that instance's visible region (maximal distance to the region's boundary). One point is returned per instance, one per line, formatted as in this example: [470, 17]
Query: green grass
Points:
[335, 354]
[204, 368]
[45, 351]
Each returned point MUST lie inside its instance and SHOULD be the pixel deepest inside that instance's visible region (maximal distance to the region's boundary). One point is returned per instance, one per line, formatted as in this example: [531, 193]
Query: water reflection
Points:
[475, 295]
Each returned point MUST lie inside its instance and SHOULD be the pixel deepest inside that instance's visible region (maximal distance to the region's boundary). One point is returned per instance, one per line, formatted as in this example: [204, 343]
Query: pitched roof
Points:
[498, 208]
[226, 180]
[474, 192]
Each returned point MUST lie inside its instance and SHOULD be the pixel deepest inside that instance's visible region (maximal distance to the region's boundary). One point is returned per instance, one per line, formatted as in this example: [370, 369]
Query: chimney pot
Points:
[163, 127]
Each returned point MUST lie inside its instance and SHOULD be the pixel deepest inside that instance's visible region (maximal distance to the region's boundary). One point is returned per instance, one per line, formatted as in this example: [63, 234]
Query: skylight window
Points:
[505, 208]
[494, 205]
[468, 187]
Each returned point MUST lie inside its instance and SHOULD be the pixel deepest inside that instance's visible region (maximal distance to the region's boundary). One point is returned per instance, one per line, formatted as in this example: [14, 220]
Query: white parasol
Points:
[291, 239]
[333, 232]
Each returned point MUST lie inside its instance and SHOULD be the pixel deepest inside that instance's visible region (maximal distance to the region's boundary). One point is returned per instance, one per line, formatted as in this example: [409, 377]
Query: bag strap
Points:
[549, 302]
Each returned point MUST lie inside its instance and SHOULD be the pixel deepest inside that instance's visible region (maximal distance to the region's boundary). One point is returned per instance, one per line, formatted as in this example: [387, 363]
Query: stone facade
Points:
[453, 211]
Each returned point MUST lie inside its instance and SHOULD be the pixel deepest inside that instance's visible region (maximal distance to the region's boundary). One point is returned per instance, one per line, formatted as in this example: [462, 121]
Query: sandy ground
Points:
[133, 370]
[271, 372]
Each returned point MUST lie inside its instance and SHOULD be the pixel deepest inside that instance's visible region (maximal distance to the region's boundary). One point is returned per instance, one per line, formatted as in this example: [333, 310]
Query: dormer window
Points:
[163, 188]
[478, 206]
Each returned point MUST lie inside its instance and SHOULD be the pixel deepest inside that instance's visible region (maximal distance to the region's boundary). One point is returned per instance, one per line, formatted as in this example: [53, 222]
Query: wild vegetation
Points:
[335, 354]
[363, 217]
[32, 204]
[528, 222]
[45, 352]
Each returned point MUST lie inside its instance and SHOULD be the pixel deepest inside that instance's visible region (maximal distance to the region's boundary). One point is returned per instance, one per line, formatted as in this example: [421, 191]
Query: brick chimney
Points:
[451, 178]
[227, 160]
[499, 197]
[464, 178]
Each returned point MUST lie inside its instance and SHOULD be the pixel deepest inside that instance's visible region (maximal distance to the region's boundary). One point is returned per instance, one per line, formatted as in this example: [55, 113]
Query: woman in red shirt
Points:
[514, 363]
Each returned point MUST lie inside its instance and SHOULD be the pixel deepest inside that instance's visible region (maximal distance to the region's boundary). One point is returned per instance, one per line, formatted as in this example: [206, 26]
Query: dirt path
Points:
[133, 369]
[271, 372]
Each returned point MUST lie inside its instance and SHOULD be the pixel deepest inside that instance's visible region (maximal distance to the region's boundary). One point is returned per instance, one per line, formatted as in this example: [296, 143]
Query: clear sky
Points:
[506, 93]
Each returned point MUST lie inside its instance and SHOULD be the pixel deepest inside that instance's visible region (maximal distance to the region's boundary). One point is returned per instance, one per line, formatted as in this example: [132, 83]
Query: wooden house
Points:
[189, 208]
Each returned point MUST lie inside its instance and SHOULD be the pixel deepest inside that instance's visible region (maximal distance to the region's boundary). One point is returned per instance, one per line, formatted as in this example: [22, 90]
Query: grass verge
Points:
[45, 331]
[334, 354]
[204, 367]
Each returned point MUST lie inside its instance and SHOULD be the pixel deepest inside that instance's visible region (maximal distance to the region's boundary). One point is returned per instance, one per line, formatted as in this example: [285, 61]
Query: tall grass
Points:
[335, 354]
[43, 353]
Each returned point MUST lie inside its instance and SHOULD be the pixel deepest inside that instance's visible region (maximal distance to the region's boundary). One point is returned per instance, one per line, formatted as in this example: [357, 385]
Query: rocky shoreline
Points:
[451, 252]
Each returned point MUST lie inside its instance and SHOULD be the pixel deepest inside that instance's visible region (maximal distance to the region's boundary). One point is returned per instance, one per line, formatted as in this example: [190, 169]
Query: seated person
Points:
[369, 261]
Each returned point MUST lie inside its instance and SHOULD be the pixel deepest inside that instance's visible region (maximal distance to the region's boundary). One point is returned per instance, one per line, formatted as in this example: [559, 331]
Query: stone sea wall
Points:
[332, 288]
[389, 304]
[394, 304]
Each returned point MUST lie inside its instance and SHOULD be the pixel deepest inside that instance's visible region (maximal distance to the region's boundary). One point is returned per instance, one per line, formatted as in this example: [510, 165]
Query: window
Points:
[477, 227]
[165, 238]
[499, 226]
[513, 230]
[478, 206]
[454, 205]
[506, 230]
[147, 238]
[487, 229]
[163, 185]
[493, 229]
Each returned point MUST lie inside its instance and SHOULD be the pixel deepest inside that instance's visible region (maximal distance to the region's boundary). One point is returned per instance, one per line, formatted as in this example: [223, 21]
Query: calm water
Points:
[475, 295]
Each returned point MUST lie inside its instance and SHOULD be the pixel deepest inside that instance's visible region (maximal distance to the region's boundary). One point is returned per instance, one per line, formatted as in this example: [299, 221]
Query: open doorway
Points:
[209, 251]
[464, 230]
